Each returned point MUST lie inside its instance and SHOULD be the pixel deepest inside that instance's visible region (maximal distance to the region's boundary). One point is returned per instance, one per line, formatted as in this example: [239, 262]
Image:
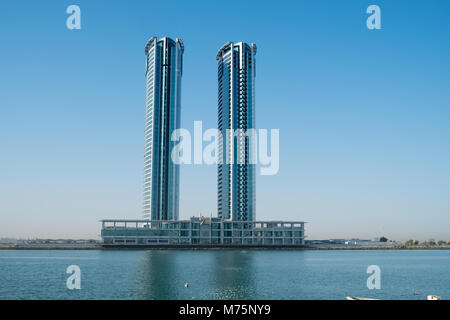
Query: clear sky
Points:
[364, 115]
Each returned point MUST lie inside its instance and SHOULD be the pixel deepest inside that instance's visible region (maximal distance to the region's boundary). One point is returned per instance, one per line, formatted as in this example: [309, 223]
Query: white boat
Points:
[359, 298]
[429, 297]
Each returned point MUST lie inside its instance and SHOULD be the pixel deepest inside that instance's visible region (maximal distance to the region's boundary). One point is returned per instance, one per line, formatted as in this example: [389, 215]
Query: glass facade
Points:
[164, 59]
[201, 231]
[236, 115]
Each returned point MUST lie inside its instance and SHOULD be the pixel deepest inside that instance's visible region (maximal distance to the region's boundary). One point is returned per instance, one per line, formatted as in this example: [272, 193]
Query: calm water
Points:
[223, 274]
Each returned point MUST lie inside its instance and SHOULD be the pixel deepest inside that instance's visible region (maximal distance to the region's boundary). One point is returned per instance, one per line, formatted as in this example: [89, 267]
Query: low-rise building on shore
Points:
[201, 231]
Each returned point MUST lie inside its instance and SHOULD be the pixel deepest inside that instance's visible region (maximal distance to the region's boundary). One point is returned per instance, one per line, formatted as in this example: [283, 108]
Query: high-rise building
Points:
[164, 64]
[236, 115]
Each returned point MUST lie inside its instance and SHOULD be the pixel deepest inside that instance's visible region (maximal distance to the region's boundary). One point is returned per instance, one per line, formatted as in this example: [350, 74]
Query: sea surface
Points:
[223, 274]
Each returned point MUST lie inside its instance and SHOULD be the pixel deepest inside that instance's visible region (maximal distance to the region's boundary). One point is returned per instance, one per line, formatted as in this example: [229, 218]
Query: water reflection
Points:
[234, 275]
[154, 275]
[162, 274]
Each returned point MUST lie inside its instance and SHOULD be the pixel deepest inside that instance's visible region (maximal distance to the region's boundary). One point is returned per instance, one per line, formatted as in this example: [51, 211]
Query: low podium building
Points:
[202, 232]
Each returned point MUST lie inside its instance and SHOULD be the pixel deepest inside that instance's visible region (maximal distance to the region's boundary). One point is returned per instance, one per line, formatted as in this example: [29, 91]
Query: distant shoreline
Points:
[99, 247]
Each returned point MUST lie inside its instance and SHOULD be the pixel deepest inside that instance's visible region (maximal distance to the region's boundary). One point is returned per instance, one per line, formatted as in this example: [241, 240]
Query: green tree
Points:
[384, 239]
[416, 242]
[441, 242]
[409, 242]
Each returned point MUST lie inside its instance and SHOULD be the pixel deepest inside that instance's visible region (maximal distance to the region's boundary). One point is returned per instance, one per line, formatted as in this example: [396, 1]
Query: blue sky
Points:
[363, 114]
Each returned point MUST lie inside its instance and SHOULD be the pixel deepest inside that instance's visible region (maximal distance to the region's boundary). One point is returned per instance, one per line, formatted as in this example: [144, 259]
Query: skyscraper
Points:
[164, 63]
[236, 115]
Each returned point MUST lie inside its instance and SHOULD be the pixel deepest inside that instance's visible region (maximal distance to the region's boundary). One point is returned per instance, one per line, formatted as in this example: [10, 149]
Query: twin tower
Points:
[236, 113]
